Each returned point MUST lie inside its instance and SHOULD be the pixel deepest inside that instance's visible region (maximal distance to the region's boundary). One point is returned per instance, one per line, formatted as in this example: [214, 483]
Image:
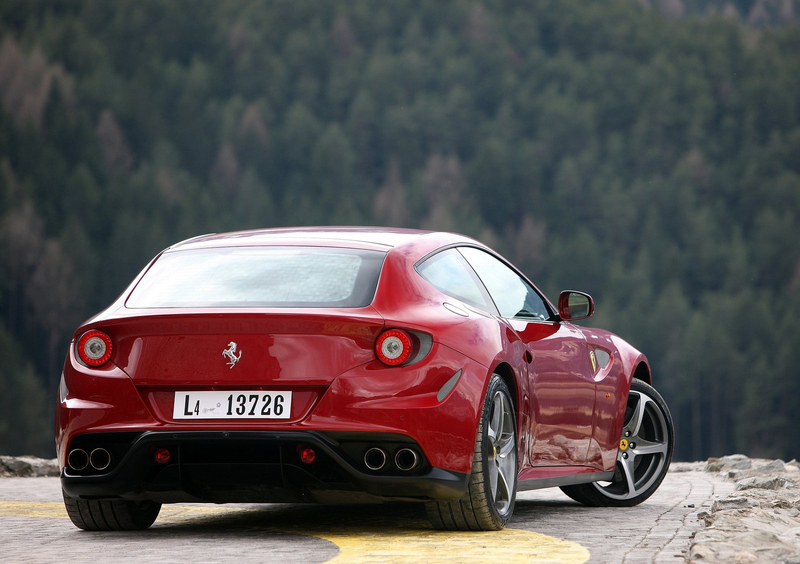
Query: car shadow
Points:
[294, 518]
[283, 520]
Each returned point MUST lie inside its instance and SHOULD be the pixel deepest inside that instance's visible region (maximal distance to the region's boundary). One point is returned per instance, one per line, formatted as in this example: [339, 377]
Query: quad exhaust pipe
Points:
[375, 458]
[406, 459]
[79, 459]
[100, 459]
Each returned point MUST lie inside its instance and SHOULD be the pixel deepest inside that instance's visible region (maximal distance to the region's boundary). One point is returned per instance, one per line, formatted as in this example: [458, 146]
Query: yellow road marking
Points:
[508, 545]
[406, 542]
[33, 509]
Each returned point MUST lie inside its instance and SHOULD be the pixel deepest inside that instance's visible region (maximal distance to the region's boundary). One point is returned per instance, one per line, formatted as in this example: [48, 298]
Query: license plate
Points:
[232, 405]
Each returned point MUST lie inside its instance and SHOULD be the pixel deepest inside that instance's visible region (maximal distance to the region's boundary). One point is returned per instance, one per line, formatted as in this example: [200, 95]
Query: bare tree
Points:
[794, 283]
[439, 219]
[672, 8]
[52, 297]
[8, 175]
[390, 205]
[238, 41]
[527, 245]
[21, 233]
[481, 28]
[226, 170]
[729, 11]
[787, 14]
[444, 181]
[26, 82]
[446, 188]
[112, 141]
[168, 185]
[342, 36]
[758, 14]
[252, 125]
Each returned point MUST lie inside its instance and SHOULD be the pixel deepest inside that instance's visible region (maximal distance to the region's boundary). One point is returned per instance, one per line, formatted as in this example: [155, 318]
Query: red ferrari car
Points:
[349, 364]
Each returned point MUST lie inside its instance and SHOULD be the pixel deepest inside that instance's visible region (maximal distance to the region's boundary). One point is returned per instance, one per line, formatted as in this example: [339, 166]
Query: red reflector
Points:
[162, 456]
[307, 454]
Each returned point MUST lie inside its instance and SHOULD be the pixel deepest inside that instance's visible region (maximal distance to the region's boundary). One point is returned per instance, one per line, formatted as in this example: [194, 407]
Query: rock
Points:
[731, 503]
[744, 557]
[687, 466]
[781, 504]
[772, 467]
[42, 466]
[28, 466]
[737, 542]
[775, 483]
[760, 522]
[741, 465]
[732, 461]
[10, 466]
[702, 552]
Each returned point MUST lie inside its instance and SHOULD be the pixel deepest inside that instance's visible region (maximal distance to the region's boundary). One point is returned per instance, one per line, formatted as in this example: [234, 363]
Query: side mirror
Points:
[573, 305]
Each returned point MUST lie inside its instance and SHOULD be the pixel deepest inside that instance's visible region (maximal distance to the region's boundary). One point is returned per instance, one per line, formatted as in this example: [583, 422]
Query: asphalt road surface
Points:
[547, 527]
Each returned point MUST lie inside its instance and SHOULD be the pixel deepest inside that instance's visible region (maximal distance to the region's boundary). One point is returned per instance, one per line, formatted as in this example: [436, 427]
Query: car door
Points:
[561, 372]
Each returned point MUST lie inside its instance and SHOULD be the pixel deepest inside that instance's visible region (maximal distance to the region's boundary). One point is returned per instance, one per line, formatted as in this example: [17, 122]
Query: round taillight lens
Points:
[162, 456]
[307, 454]
[393, 347]
[94, 348]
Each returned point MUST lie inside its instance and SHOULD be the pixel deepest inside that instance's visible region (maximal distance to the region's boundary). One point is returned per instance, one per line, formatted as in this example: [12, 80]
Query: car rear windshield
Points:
[260, 277]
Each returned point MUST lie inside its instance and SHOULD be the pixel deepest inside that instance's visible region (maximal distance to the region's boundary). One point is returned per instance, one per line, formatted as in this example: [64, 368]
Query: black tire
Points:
[645, 452]
[489, 502]
[111, 515]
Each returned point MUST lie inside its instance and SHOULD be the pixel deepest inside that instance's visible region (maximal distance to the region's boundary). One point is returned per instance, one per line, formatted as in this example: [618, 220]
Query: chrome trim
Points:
[402, 464]
[76, 465]
[375, 451]
[104, 459]
[448, 386]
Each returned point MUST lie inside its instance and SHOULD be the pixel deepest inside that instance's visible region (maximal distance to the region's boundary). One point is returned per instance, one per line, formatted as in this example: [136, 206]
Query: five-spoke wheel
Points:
[489, 502]
[645, 451]
[502, 452]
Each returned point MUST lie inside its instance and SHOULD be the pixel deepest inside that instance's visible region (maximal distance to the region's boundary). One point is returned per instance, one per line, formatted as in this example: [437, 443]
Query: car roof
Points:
[376, 238]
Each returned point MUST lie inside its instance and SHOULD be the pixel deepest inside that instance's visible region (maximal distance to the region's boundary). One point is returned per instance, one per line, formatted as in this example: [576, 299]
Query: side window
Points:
[449, 273]
[512, 295]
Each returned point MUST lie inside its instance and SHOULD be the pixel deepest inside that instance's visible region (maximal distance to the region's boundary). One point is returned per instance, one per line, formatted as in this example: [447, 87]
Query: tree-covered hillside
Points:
[753, 12]
[652, 161]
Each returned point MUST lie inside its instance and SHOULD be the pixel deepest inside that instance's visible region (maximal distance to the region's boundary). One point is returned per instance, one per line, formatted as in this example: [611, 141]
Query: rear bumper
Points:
[254, 467]
[370, 398]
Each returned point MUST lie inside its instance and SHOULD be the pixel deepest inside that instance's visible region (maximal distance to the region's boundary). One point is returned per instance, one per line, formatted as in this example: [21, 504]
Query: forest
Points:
[645, 152]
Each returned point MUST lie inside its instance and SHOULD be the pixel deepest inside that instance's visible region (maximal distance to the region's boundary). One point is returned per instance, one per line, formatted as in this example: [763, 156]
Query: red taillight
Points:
[162, 456]
[393, 347]
[94, 348]
[306, 453]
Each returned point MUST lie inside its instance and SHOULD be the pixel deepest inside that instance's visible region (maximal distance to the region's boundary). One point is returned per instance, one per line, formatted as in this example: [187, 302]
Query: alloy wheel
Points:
[643, 451]
[502, 455]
